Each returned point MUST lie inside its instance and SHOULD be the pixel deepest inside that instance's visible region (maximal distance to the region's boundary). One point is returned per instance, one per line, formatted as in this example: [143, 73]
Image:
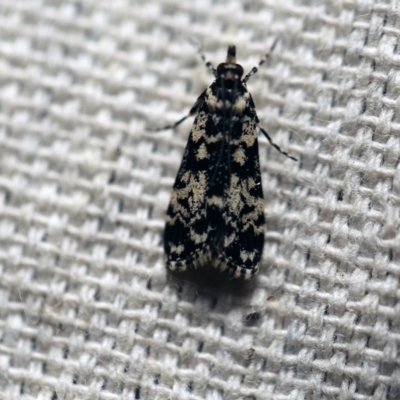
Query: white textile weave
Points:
[87, 309]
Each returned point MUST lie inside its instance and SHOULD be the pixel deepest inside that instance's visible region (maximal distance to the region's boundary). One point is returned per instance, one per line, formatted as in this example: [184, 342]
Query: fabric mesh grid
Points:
[87, 310]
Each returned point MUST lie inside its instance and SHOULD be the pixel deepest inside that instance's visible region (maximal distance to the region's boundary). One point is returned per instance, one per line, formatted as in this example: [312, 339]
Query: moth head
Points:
[229, 70]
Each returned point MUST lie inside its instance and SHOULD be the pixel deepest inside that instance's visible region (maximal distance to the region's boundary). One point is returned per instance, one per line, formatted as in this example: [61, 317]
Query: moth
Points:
[216, 212]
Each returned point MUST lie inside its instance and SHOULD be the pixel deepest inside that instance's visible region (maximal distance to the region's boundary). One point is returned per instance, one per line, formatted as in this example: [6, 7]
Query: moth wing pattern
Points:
[187, 227]
[216, 212]
[244, 205]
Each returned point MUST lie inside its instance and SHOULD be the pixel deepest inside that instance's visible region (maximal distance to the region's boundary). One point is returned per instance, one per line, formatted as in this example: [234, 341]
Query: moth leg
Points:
[262, 61]
[275, 145]
[192, 112]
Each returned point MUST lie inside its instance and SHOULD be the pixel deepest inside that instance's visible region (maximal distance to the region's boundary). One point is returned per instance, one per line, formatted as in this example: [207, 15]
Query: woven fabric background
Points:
[87, 309]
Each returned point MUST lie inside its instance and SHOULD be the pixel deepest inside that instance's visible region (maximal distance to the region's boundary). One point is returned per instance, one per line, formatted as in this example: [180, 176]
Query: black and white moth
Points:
[216, 212]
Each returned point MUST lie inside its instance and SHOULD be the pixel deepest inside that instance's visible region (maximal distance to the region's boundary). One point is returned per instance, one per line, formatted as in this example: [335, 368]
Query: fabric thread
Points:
[87, 309]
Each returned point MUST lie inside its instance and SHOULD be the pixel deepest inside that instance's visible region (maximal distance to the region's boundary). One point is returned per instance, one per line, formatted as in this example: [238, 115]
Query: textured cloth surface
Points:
[87, 309]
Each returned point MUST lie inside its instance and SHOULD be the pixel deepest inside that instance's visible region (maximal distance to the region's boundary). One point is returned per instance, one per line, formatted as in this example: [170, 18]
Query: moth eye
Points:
[221, 68]
[239, 70]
